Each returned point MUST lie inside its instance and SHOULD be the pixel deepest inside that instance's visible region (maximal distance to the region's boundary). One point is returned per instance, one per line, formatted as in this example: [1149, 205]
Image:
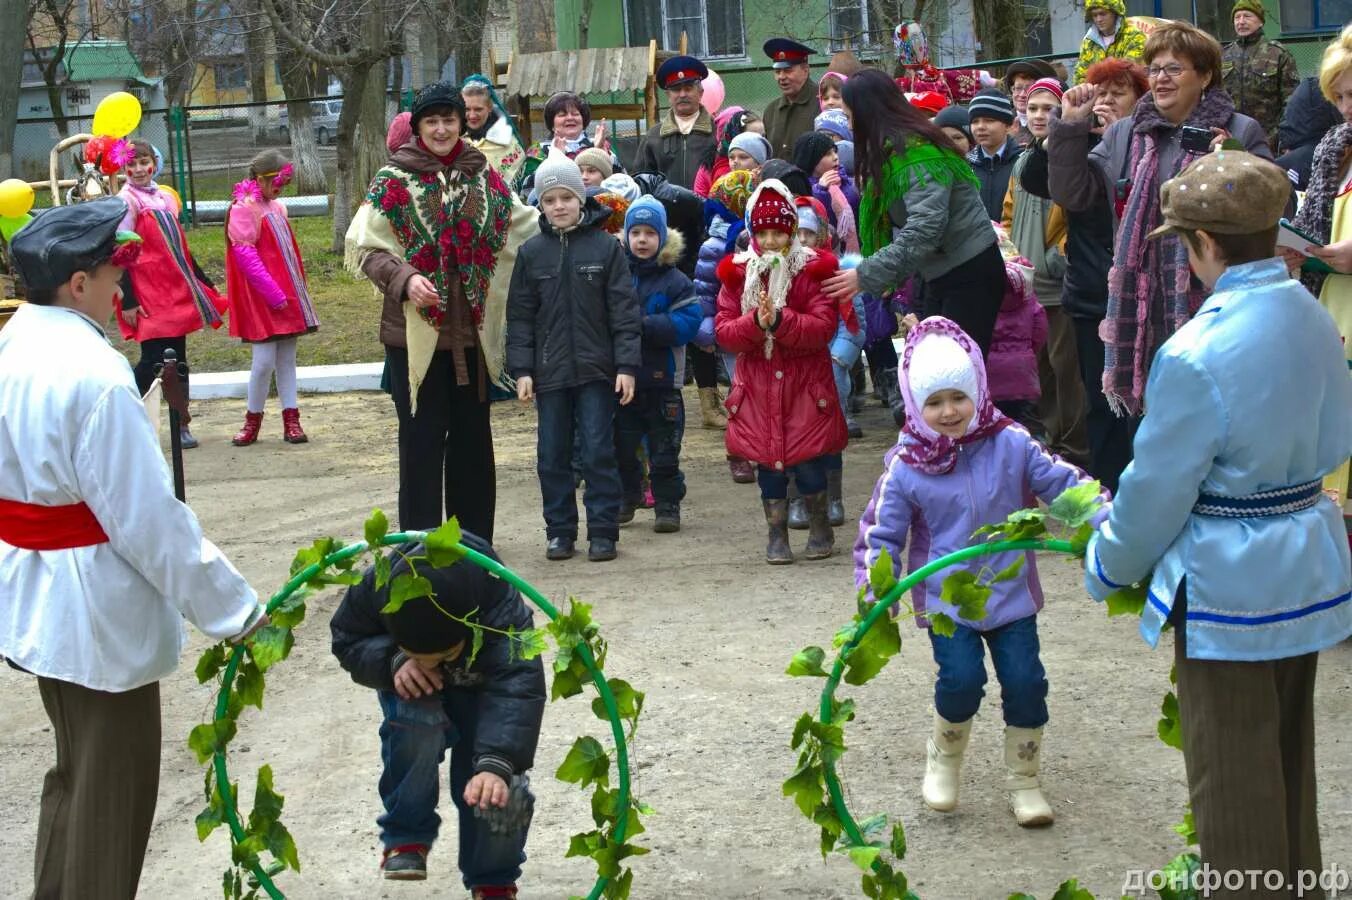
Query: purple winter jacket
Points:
[1020, 333]
[847, 187]
[993, 478]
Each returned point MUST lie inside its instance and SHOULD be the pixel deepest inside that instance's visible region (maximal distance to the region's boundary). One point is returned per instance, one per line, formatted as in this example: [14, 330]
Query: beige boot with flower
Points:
[943, 763]
[1023, 757]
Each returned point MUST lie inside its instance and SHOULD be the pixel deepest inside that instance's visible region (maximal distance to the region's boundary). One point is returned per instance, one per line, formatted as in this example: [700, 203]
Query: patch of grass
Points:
[349, 310]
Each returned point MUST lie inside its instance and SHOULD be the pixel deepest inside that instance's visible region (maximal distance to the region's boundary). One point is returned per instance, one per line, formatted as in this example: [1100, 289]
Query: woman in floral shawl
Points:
[437, 235]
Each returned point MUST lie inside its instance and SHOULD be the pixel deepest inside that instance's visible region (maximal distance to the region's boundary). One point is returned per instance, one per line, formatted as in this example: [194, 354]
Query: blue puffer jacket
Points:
[711, 253]
[671, 314]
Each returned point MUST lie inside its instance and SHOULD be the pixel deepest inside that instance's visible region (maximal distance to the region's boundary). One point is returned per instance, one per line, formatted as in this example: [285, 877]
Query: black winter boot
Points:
[821, 540]
[777, 552]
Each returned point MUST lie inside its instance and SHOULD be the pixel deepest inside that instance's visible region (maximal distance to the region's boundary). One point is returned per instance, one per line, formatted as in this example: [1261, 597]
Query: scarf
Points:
[1326, 177]
[920, 163]
[1150, 287]
[921, 447]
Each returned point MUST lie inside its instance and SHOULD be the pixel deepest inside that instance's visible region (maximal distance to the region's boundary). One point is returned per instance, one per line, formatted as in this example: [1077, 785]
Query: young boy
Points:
[595, 166]
[99, 563]
[1221, 516]
[488, 713]
[671, 319]
[747, 152]
[1109, 34]
[573, 343]
[991, 114]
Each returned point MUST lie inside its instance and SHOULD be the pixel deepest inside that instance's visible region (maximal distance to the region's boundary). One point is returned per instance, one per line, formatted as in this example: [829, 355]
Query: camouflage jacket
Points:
[1259, 75]
[1128, 43]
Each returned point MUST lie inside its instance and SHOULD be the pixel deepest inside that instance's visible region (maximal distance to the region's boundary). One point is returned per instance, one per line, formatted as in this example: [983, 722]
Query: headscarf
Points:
[498, 107]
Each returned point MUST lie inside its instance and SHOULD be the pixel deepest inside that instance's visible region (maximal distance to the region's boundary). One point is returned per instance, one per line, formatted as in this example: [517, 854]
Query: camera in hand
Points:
[1196, 140]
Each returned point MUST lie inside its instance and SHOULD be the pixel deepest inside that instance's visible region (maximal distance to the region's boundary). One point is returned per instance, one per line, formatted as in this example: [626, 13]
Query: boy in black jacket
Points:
[488, 714]
[573, 331]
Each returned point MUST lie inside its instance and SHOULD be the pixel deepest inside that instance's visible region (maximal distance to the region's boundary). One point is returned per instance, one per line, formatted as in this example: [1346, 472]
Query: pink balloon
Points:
[713, 92]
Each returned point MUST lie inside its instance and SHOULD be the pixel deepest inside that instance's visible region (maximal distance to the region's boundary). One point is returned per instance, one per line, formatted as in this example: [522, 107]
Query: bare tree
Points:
[300, 83]
[256, 42]
[169, 35]
[53, 27]
[1001, 28]
[11, 76]
[535, 26]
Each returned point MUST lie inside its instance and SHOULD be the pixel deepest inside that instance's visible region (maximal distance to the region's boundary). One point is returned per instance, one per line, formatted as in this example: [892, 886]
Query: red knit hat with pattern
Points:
[773, 212]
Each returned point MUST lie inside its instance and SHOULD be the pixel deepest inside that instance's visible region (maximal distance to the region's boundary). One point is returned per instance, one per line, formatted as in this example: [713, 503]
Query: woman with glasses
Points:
[1187, 113]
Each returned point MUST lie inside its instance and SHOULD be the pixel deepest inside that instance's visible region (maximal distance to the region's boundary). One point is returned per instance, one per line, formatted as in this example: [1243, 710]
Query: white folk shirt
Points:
[72, 430]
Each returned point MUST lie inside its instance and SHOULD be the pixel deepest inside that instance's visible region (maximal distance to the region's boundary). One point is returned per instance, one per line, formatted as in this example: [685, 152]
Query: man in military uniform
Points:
[677, 145]
[793, 113]
[1258, 74]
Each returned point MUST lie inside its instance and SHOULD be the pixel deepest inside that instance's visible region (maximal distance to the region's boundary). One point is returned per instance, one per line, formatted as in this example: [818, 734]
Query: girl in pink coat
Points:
[1020, 333]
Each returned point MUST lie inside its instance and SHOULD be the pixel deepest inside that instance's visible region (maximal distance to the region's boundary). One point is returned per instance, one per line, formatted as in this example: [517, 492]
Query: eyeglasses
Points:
[1173, 70]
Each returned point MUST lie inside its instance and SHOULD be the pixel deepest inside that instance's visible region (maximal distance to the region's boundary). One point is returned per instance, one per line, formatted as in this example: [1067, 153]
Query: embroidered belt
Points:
[30, 526]
[1278, 502]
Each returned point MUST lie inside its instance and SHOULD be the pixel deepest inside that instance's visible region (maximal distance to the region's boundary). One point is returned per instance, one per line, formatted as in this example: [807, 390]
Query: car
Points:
[323, 119]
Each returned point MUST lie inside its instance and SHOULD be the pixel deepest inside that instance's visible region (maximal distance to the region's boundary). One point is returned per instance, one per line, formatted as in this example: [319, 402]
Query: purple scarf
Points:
[1150, 287]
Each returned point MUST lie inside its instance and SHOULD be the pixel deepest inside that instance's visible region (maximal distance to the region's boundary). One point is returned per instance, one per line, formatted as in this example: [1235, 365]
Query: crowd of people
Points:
[1089, 285]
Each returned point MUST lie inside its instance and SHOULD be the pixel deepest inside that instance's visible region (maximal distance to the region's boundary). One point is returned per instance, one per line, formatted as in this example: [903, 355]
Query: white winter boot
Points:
[943, 763]
[1023, 755]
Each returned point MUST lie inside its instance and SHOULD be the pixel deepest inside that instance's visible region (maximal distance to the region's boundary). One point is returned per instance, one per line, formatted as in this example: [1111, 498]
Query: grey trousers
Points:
[98, 801]
[1248, 742]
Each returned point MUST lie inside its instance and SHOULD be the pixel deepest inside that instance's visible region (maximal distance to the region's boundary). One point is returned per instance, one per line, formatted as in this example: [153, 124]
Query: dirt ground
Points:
[701, 624]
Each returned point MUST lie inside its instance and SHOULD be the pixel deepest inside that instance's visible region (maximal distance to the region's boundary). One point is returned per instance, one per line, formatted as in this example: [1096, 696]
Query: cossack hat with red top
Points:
[681, 70]
[771, 209]
[785, 53]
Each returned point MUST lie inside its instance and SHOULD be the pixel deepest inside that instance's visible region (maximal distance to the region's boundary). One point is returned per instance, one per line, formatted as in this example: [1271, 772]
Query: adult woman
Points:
[437, 236]
[920, 212]
[1151, 291]
[1326, 213]
[567, 118]
[490, 130]
[1118, 84]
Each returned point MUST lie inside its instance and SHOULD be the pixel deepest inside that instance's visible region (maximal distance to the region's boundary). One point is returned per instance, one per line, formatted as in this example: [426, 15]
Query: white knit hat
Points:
[558, 171]
[938, 363]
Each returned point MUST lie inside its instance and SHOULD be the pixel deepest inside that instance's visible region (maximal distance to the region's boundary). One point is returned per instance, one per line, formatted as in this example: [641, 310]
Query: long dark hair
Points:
[890, 120]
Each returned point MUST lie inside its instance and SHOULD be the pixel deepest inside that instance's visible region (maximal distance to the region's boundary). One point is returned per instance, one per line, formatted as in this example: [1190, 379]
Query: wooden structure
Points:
[604, 70]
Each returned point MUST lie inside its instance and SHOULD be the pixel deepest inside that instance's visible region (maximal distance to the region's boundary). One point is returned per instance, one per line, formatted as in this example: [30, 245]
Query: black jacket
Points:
[1307, 119]
[677, 156]
[994, 176]
[685, 213]
[571, 313]
[1089, 243]
[511, 692]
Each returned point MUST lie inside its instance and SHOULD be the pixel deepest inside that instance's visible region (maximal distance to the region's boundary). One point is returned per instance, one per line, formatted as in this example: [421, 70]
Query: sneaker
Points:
[667, 519]
[186, 440]
[406, 863]
[559, 548]
[602, 550]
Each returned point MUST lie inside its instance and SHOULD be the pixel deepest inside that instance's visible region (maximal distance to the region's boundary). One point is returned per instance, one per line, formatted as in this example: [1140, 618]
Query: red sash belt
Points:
[32, 527]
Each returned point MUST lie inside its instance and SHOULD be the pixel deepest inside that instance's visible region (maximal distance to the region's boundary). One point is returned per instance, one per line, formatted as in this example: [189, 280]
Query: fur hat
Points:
[558, 171]
[771, 209]
[597, 159]
[753, 145]
[647, 211]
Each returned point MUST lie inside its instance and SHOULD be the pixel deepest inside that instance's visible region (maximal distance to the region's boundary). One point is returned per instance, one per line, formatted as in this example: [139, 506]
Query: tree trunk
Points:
[11, 73]
[535, 26]
[298, 86]
[468, 37]
[362, 88]
[256, 39]
[1001, 28]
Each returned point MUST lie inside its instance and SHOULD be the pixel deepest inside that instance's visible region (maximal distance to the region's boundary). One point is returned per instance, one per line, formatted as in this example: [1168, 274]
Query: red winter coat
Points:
[1020, 333]
[783, 410]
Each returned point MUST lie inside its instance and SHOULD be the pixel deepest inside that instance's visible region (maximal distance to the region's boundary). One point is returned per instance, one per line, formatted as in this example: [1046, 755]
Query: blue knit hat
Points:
[647, 210]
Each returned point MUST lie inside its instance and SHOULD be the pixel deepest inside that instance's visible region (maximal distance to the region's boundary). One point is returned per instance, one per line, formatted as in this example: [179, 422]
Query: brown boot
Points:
[711, 407]
[777, 552]
[821, 540]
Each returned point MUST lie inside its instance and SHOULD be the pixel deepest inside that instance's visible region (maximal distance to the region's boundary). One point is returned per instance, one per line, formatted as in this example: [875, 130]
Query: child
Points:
[1020, 334]
[782, 410]
[595, 166]
[165, 296]
[958, 465]
[829, 91]
[815, 153]
[747, 152]
[1038, 229]
[573, 342]
[99, 563]
[955, 122]
[991, 115]
[1221, 517]
[671, 318]
[835, 124]
[730, 122]
[488, 712]
[270, 303]
[723, 212]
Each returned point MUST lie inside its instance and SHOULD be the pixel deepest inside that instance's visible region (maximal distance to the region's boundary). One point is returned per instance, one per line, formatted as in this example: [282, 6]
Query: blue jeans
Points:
[962, 673]
[657, 414]
[587, 413]
[810, 476]
[413, 740]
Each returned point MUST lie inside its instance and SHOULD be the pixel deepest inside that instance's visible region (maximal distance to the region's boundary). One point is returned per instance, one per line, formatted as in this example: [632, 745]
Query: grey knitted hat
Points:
[558, 171]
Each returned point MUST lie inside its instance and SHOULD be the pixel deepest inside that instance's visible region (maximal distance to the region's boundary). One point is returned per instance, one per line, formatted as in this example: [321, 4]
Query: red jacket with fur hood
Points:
[783, 408]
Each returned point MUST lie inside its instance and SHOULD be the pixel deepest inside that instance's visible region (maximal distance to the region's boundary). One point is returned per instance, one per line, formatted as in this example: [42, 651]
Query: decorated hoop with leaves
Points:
[580, 656]
[873, 637]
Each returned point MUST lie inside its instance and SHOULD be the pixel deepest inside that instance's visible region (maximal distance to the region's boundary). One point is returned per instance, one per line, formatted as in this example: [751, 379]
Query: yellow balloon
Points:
[117, 114]
[16, 198]
[172, 193]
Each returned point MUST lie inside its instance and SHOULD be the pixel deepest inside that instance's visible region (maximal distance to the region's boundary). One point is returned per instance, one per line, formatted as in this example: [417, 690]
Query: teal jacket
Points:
[1251, 396]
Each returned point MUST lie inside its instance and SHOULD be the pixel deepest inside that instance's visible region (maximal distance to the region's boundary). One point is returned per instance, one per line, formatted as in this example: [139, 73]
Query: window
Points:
[77, 96]
[712, 30]
[230, 76]
[849, 25]
[1315, 15]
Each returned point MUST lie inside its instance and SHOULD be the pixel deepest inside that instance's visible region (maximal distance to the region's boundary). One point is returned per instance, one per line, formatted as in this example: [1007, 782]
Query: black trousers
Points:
[703, 364]
[152, 354]
[446, 450]
[1110, 436]
[971, 295]
[657, 414]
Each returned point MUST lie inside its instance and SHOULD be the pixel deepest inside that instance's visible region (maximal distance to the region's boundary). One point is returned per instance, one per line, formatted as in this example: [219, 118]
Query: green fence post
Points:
[178, 129]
